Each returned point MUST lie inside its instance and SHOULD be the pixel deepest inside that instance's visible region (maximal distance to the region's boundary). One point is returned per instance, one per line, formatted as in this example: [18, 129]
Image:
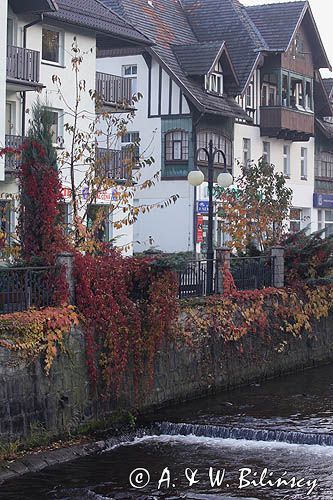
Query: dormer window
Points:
[214, 83]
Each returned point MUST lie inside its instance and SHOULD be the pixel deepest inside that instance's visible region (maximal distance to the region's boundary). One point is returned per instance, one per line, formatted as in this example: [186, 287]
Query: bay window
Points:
[176, 145]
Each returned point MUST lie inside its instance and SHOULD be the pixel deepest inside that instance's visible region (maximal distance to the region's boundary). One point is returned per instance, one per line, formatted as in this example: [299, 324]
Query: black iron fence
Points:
[23, 287]
[252, 273]
[192, 281]
[249, 273]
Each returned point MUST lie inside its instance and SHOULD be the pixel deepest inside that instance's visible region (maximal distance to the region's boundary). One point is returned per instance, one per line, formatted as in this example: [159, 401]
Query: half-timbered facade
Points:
[247, 77]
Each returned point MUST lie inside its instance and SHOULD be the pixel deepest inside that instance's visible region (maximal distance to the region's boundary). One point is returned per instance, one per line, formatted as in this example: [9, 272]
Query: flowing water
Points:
[266, 442]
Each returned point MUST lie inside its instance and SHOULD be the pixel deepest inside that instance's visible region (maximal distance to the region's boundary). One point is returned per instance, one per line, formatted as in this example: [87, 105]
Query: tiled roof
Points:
[328, 84]
[94, 15]
[166, 23]
[227, 20]
[198, 58]
[277, 22]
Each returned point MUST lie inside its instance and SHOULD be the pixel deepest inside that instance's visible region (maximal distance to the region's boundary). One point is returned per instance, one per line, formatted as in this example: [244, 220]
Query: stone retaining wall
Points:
[61, 401]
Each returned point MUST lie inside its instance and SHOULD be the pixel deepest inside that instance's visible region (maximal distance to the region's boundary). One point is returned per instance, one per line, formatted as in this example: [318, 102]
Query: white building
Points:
[247, 77]
[36, 45]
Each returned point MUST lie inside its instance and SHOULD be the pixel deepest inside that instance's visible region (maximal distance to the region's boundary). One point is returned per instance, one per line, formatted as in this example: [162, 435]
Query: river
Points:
[254, 437]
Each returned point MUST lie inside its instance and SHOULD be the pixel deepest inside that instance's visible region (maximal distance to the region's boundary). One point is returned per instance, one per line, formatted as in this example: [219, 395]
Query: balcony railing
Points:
[115, 164]
[22, 64]
[113, 89]
[12, 162]
[286, 123]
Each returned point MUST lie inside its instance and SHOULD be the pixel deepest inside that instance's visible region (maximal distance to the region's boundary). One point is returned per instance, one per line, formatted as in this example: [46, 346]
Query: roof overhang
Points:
[323, 105]
[33, 6]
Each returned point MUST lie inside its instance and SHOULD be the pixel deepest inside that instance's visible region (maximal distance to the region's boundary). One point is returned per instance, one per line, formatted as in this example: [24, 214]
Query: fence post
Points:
[277, 253]
[66, 260]
[223, 260]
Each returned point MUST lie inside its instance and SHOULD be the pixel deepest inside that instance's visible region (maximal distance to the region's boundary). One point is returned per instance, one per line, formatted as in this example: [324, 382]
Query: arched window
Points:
[176, 145]
[219, 141]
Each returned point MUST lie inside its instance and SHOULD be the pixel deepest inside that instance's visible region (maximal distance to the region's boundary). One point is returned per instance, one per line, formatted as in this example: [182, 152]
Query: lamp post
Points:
[225, 179]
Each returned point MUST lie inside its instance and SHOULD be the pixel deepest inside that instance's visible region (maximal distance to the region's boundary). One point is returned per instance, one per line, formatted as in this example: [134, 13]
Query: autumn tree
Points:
[89, 171]
[256, 208]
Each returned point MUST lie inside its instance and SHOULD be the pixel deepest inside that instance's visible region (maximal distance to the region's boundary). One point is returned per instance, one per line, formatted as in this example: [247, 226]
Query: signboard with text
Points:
[199, 228]
[202, 207]
[322, 200]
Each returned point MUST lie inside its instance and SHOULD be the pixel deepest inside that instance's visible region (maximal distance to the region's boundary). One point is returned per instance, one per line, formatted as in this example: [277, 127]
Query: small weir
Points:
[280, 429]
[216, 431]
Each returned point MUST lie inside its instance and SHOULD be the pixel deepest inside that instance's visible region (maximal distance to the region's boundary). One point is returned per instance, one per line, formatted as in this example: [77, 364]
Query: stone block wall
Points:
[61, 401]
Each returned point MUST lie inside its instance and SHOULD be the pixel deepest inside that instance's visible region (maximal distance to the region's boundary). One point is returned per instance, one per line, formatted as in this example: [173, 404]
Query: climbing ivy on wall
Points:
[127, 307]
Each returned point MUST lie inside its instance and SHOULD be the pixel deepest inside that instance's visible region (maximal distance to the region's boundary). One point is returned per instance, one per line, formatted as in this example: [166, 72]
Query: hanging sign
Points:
[199, 228]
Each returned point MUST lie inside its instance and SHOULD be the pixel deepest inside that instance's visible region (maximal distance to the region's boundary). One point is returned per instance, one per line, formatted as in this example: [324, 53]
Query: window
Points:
[249, 96]
[246, 151]
[10, 32]
[308, 96]
[286, 160]
[295, 219]
[304, 163]
[214, 83]
[131, 71]
[325, 165]
[266, 152]
[98, 220]
[130, 146]
[10, 118]
[268, 95]
[299, 46]
[52, 45]
[67, 216]
[56, 126]
[219, 142]
[176, 146]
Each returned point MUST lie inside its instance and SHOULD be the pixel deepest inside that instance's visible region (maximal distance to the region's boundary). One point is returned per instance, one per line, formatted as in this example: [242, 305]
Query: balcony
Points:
[115, 91]
[114, 164]
[286, 123]
[22, 68]
[12, 162]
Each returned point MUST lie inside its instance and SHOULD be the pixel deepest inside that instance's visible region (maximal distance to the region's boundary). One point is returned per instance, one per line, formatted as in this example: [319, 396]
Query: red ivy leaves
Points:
[128, 307]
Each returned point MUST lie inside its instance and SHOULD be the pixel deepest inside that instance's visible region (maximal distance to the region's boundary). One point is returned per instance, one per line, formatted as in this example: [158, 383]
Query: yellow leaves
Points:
[270, 313]
[35, 332]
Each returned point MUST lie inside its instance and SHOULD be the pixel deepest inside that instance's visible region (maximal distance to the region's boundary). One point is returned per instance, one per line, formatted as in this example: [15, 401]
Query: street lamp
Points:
[224, 179]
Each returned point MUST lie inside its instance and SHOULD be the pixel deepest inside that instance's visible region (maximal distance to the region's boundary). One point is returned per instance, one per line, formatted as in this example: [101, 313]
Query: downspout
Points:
[25, 29]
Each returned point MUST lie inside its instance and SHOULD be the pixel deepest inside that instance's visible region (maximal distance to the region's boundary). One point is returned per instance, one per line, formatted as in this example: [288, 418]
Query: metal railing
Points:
[12, 162]
[25, 287]
[192, 282]
[249, 273]
[114, 89]
[23, 64]
[252, 273]
[115, 164]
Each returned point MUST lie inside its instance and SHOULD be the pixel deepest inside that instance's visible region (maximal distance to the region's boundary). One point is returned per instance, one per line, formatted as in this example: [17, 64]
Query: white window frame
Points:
[304, 163]
[268, 88]
[132, 75]
[214, 83]
[286, 160]
[246, 151]
[249, 96]
[295, 220]
[59, 139]
[266, 151]
[11, 120]
[134, 140]
[61, 48]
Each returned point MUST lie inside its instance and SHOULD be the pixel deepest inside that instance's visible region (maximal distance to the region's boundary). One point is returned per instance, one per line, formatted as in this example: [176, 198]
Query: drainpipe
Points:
[23, 94]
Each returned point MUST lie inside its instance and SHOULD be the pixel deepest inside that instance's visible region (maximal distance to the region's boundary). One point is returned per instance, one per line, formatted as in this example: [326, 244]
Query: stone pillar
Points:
[66, 260]
[223, 260]
[277, 253]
